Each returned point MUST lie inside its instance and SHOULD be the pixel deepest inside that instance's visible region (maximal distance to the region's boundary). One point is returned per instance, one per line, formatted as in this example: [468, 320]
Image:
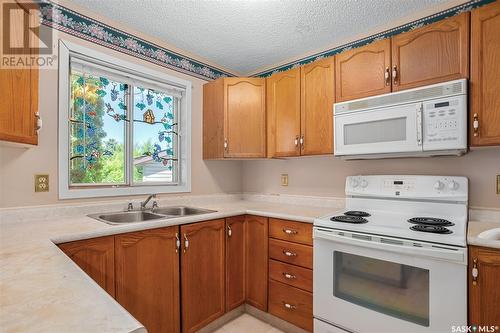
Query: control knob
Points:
[438, 185]
[453, 185]
[354, 182]
[364, 183]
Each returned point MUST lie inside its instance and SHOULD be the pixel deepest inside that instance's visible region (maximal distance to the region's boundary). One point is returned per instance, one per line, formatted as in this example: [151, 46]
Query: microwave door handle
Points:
[419, 124]
[445, 254]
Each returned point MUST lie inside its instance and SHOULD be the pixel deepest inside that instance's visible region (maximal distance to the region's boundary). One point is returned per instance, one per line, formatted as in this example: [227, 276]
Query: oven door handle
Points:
[409, 247]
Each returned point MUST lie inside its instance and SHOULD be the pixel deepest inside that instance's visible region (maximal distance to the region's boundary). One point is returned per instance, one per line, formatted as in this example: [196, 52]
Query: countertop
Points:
[42, 290]
[476, 227]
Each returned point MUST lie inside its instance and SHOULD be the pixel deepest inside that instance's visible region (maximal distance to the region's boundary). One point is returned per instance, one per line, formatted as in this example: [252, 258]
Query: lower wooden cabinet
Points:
[96, 257]
[484, 290]
[291, 304]
[256, 261]
[147, 277]
[202, 273]
[235, 261]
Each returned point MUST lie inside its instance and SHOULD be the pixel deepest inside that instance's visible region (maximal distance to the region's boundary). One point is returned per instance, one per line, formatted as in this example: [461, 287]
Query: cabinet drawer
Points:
[291, 304]
[292, 275]
[292, 253]
[292, 231]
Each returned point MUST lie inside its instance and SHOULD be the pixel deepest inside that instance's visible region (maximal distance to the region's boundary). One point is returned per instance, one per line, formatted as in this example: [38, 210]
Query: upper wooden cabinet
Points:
[202, 262]
[234, 118]
[147, 277]
[283, 114]
[235, 261]
[96, 257]
[435, 53]
[485, 76]
[19, 94]
[363, 72]
[317, 97]
[484, 290]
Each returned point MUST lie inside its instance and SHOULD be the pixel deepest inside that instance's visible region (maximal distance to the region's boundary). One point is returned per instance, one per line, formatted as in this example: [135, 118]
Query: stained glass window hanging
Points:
[112, 117]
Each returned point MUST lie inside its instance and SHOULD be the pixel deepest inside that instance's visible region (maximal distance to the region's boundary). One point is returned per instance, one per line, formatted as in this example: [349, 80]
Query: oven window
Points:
[385, 130]
[396, 290]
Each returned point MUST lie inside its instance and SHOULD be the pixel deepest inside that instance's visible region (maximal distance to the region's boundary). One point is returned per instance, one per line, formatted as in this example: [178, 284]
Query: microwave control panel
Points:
[444, 123]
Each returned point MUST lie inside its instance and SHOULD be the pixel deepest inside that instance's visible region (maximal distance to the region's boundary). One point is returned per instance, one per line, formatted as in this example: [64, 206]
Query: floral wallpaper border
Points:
[84, 27]
[465, 7]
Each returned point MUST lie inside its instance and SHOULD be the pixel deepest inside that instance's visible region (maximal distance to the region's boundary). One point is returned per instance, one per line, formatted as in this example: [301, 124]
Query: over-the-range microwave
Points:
[425, 121]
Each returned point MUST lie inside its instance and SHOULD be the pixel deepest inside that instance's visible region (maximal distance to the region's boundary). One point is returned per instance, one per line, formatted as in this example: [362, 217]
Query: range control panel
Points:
[408, 186]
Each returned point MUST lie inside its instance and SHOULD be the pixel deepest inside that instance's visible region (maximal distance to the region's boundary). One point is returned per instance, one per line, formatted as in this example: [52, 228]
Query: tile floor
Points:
[247, 324]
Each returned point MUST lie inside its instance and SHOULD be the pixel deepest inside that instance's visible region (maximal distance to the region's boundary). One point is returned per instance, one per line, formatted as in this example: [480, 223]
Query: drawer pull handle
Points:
[289, 276]
[289, 254]
[290, 231]
[289, 306]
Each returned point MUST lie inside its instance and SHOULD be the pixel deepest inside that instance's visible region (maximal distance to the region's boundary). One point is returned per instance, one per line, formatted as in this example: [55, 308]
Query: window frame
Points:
[183, 183]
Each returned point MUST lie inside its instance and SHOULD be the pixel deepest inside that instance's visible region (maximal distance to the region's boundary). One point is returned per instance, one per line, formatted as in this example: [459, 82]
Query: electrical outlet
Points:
[284, 179]
[41, 183]
[498, 184]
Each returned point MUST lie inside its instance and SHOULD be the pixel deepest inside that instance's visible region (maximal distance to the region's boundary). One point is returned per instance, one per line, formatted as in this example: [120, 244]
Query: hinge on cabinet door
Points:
[177, 243]
[475, 272]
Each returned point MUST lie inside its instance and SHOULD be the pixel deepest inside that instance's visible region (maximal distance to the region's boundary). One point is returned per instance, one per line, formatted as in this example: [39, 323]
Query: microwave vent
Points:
[415, 95]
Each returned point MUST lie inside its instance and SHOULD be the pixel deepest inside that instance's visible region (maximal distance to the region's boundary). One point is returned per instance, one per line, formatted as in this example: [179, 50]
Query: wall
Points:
[325, 175]
[18, 165]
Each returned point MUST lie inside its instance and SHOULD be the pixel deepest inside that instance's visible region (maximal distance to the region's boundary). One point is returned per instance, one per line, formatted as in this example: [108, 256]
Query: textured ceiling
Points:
[248, 35]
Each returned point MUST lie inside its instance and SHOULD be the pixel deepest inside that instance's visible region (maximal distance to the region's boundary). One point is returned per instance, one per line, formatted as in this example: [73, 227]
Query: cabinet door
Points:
[213, 119]
[147, 277]
[256, 261]
[317, 97]
[283, 113]
[484, 295]
[235, 262]
[434, 53]
[245, 117]
[19, 92]
[96, 257]
[363, 71]
[485, 75]
[202, 263]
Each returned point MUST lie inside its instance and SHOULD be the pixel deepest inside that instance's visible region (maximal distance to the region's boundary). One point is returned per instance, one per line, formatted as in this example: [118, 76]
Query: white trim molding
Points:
[183, 185]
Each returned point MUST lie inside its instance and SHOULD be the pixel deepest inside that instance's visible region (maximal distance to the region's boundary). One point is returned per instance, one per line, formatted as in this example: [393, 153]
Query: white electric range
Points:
[395, 259]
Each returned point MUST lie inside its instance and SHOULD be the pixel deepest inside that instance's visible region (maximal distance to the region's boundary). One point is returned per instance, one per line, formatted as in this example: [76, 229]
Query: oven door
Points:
[387, 130]
[366, 283]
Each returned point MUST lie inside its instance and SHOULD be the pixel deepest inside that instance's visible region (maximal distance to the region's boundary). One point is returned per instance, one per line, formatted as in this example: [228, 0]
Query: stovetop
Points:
[396, 224]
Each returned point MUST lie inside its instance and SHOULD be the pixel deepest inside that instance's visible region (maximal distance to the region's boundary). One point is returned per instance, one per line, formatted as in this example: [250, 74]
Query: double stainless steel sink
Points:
[148, 215]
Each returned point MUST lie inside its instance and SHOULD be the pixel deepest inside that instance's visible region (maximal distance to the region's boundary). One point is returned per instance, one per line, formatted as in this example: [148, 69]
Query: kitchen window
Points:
[123, 128]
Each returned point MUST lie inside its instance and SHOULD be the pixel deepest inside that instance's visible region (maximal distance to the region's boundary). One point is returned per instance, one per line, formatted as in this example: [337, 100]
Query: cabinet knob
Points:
[302, 141]
[186, 243]
[290, 231]
[229, 231]
[289, 276]
[39, 123]
[226, 145]
[289, 306]
[177, 243]
[296, 141]
[475, 272]
[395, 74]
[475, 124]
[387, 76]
[289, 253]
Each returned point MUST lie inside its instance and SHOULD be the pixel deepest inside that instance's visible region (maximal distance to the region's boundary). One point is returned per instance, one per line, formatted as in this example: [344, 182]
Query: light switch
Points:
[284, 179]
[41, 183]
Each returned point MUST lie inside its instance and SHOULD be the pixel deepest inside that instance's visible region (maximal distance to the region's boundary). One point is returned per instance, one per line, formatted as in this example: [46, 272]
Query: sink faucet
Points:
[145, 202]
